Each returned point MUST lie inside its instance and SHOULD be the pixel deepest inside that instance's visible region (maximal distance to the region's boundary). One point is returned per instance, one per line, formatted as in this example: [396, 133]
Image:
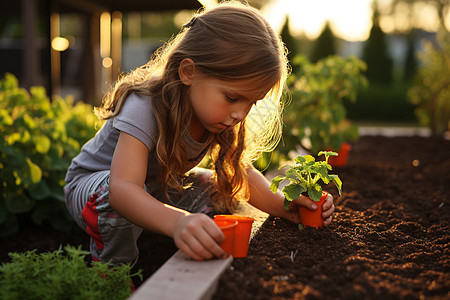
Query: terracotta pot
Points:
[313, 218]
[341, 159]
[228, 228]
[242, 234]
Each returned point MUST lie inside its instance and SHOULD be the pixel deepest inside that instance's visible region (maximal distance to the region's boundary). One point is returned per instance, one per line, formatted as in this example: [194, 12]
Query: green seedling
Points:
[306, 177]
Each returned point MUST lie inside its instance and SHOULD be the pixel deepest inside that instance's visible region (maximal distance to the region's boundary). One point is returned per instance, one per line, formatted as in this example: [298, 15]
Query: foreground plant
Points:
[306, 178]
[55, 275]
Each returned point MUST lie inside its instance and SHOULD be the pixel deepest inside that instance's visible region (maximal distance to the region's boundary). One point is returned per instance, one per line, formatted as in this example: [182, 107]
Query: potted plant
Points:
[316, 116]
[306, 178]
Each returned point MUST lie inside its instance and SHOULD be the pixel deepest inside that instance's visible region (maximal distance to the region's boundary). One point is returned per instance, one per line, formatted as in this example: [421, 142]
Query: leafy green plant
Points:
[306, 176]
[39, 139]
[59, 275]
[316, 116]
[431, 91]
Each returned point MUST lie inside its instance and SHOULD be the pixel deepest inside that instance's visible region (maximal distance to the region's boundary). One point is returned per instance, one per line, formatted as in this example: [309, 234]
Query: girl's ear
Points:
[186, 71]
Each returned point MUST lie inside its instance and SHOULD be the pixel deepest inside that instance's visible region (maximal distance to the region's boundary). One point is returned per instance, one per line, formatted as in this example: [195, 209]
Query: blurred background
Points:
[79, 47]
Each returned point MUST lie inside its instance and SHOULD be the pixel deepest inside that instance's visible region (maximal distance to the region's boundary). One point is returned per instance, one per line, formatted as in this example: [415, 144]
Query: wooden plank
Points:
[183, 278]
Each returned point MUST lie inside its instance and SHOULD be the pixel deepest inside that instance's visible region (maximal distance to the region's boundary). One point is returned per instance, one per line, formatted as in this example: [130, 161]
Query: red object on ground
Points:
[228, 228]
[242, 234]
[341, 159]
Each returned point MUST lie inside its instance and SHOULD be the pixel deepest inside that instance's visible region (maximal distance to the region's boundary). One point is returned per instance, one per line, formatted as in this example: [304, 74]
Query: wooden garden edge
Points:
[183, 278]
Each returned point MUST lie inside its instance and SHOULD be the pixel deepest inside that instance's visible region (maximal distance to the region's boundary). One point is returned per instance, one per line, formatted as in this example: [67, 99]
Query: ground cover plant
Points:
[62, 275]
[390, 238]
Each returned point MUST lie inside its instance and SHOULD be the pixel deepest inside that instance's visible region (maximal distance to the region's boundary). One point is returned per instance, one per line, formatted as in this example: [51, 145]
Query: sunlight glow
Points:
[349, 19]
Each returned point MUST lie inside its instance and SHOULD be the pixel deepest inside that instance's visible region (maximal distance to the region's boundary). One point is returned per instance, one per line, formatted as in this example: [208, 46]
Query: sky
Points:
[349, 19]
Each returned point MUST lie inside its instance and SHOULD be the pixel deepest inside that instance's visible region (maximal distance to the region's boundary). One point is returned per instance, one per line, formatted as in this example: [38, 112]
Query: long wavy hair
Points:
[231, 42]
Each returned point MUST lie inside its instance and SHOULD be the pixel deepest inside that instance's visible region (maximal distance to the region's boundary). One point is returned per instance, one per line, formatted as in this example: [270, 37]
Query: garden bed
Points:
[390, 238]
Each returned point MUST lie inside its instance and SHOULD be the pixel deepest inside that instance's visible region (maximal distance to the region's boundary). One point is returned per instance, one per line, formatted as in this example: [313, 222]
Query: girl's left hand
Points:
[327, 208]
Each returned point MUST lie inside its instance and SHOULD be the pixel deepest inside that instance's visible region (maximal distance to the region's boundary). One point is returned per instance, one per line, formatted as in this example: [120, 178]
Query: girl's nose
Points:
[238, 115]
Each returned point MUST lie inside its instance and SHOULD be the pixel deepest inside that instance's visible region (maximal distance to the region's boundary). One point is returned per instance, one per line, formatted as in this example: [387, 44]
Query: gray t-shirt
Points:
[137, 119]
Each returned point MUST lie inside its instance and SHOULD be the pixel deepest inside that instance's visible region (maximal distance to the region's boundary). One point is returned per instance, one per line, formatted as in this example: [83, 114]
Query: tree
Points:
[324, 45]
[410, 65]
[376, 55]
[289, 40]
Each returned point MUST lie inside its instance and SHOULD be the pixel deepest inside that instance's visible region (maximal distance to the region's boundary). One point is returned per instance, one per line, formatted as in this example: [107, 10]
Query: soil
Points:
[390, 238]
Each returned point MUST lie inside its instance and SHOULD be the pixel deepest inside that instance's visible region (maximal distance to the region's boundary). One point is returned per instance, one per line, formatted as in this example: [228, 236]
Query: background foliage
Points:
[315, 117]
[39, 139]
[431, 91]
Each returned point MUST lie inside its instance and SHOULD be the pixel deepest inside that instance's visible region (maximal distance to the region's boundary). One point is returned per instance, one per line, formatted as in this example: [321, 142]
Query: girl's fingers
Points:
[200, 237]
[210, 239]
[329, 212]
[328, 202]
[194, 248]
[302, 201]
[327, 221]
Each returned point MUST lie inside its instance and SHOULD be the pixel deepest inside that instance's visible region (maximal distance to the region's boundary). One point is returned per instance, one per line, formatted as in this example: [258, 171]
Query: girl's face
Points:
[219, 105]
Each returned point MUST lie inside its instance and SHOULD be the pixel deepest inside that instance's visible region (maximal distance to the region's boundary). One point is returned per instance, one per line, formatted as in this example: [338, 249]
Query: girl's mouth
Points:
[224, 126]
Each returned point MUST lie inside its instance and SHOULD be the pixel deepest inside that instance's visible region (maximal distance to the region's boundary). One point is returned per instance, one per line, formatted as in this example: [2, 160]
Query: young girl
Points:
[215, 88]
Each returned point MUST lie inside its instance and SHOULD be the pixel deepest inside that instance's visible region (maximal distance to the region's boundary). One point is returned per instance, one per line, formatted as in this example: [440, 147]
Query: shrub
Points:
[316, 117]
[431, 91]
[380, 102]
[39, 139]
[55, 275]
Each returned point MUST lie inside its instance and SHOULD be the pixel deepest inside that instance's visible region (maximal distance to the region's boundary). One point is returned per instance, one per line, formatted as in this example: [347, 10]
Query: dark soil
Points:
[390, 238]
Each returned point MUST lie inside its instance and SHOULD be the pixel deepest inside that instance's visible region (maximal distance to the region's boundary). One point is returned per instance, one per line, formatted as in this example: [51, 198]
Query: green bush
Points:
[431, 91]
[55, 275]
[380, 102]
[316, 118]
[39, 139]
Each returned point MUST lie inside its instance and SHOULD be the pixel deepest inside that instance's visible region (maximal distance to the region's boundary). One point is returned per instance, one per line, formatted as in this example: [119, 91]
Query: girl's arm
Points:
[195, 234]
[262, 198]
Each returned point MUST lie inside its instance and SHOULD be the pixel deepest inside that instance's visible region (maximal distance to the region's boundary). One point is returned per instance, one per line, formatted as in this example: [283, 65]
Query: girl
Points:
[215, 88]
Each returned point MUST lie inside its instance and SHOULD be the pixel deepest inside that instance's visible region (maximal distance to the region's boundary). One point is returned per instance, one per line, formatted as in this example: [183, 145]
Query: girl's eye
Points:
[231, 99]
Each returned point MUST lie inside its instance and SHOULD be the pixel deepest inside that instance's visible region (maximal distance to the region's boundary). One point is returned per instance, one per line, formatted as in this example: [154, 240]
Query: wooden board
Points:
[183, 278]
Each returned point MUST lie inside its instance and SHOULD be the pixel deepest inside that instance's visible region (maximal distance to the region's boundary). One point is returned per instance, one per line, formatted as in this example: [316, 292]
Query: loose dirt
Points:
[390, 238]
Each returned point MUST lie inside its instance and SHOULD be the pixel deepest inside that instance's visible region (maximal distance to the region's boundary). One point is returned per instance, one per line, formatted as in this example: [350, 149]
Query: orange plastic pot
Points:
[313, 218]
[228, 228]
[341, 159]
[242, 235]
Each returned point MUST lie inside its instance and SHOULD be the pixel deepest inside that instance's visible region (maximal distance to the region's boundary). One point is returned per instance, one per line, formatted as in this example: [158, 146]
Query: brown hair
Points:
[229, 42]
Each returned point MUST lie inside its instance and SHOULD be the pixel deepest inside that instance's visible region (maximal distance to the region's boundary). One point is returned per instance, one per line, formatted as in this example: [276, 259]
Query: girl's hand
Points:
[198, 236]
[327, 208]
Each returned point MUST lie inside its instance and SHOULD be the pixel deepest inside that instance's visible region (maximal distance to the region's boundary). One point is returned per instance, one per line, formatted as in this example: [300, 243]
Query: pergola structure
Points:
[40, 64]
